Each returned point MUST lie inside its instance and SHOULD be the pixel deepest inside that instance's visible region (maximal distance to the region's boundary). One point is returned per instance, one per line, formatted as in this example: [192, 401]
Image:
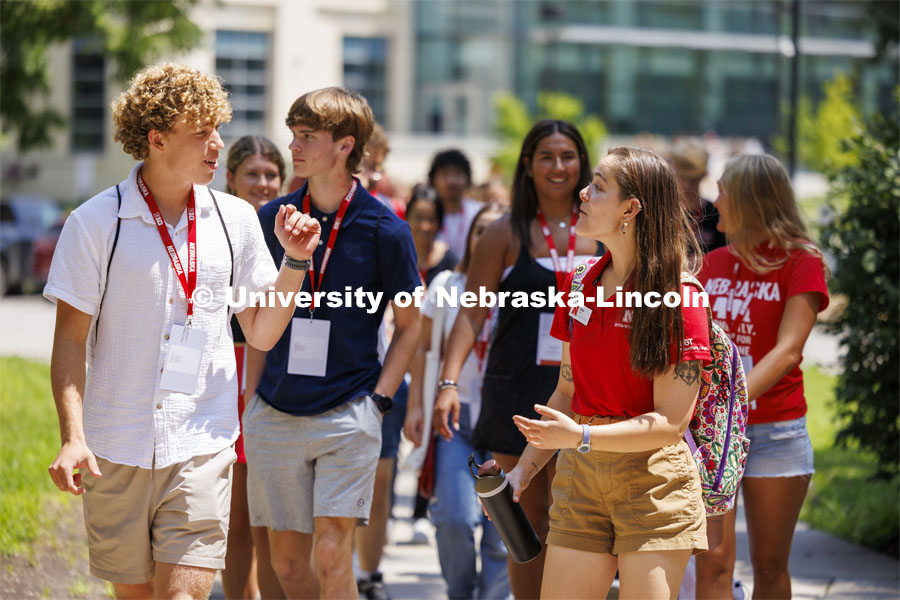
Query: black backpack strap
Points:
[227, 237]
[112, 253]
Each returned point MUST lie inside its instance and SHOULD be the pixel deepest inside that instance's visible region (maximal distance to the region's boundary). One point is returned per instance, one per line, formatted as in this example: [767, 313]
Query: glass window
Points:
[242, 59]
[670, 15]
[668, 104]
[365, 71]
[88, 96]
[749, 107]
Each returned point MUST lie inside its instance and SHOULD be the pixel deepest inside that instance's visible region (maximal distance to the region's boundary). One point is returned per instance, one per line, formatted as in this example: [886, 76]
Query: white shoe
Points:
[738, 591]
[421, 529]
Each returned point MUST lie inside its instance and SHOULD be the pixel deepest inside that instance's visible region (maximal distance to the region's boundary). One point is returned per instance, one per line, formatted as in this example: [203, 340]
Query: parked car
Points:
[42, 253]
[23, 219]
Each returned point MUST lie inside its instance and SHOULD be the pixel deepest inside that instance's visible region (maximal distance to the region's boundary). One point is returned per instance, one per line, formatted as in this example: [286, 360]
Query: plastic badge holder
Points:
[513, 526]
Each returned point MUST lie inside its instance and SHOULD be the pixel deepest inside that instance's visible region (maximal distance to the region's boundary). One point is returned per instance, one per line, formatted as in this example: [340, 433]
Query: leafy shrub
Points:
[864, 240]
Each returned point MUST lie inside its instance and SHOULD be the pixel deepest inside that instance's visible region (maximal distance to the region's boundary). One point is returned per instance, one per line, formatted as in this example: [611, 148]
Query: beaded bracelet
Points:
[444, 384]
[297, 265]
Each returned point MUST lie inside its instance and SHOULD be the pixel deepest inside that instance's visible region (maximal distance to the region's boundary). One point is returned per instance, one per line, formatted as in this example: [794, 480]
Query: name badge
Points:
[309, 347]
[582, 314]
[549, 349]
[182, 369]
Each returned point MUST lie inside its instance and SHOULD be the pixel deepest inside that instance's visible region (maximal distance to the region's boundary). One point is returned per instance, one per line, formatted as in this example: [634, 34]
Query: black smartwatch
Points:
[384, 403]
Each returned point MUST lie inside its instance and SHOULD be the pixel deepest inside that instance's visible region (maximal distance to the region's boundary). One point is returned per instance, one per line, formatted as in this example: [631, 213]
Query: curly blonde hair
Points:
[158, 96]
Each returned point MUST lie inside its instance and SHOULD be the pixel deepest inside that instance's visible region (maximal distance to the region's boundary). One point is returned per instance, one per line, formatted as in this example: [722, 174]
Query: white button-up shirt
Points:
[127, 418]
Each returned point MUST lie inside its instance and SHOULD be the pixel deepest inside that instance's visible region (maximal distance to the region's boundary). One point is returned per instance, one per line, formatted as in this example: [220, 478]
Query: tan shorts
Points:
[614, 502]
[137, 517]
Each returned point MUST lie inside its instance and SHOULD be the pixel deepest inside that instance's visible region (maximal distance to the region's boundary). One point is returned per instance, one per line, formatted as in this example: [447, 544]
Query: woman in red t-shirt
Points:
[629, 497]
[765, 289]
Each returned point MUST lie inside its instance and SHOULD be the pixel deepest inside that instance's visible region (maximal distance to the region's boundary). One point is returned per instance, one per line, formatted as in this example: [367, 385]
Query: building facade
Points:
[431, 69]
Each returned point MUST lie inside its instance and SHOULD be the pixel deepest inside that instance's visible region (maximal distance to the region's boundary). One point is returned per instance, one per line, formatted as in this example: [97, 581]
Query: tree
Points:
[821, 130]
[864, 239]
[513, 122]
[131, 34]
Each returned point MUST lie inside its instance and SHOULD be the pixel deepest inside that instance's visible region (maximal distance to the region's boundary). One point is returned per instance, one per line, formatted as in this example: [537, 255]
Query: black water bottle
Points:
[496, 494]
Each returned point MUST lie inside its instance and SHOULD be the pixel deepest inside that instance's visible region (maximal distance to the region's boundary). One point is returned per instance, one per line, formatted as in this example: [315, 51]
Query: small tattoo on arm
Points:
[536, 470]
[689, 372]
[567, 372]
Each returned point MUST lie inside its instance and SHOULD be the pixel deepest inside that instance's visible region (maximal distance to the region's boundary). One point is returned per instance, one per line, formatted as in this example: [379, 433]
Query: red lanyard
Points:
[554, 254]
[332, 238]
[189, 283]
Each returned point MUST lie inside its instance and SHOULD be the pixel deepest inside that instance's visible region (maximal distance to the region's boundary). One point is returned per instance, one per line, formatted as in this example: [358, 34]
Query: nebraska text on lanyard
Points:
[554, 254]
[189, 282]
[332, 238]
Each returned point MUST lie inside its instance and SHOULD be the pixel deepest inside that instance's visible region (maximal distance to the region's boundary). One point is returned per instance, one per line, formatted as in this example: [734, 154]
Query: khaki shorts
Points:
[137, 517]
[614, 502]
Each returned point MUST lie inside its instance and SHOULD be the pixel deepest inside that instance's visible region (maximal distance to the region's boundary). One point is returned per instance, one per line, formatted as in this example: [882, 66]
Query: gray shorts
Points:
[300, 468]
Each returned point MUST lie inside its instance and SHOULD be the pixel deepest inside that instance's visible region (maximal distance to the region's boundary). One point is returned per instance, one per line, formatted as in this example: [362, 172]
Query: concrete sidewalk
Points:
[821, 566]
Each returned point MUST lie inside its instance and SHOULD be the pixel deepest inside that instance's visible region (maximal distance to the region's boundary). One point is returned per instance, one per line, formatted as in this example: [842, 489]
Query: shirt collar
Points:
[133, 204]
[353, 210]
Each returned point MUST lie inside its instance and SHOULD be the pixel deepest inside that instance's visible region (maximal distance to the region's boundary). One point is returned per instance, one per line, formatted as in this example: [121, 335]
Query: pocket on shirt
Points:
[212, 285]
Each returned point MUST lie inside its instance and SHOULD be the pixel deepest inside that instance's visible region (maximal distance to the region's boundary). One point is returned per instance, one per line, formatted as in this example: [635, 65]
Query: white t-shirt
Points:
[127, 418]
[455, 229]
[472, 373]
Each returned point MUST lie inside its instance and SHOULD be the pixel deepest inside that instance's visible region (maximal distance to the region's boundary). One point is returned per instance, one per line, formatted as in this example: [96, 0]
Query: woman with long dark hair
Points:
[626, 495]
[531, 250]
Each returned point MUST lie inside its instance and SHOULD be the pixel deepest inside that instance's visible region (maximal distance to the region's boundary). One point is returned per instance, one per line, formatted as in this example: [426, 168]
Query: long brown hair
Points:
[664, 240]
[251, 145]
[761, 199]
[524, 196]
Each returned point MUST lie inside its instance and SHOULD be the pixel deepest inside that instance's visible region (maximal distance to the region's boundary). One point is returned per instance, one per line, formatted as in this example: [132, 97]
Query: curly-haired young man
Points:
[151, 426]
[312, 433]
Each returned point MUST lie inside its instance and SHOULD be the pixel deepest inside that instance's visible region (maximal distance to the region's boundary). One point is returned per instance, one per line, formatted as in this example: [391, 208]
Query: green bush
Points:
[822, 129]
[864, 240]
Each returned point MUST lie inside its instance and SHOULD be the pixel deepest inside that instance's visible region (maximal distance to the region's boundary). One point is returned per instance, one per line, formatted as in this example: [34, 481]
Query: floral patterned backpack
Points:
[717, 433]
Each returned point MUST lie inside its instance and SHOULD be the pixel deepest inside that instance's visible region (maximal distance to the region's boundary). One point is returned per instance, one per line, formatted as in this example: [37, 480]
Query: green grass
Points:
[844, 499]
[29, 440]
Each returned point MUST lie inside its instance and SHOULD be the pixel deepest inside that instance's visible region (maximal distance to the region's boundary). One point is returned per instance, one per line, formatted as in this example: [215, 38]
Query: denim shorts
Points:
[780, 449]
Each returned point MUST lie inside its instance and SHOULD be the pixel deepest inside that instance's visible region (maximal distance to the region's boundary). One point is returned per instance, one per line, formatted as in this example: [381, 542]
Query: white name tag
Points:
[309, 347]
[549, 349]
[582, 314]
[182, 369]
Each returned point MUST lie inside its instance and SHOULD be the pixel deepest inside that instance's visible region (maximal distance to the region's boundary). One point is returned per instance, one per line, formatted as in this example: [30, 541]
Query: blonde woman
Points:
[765, 289]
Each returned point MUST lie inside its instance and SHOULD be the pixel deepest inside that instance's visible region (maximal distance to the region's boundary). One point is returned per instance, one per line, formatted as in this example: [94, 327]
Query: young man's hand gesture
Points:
[297, 232]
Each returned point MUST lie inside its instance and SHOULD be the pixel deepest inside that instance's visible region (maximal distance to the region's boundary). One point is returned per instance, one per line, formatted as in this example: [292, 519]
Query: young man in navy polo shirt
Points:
[313, 431]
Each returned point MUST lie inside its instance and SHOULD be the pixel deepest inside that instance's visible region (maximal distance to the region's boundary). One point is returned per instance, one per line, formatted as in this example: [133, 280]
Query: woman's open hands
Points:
[555, 430]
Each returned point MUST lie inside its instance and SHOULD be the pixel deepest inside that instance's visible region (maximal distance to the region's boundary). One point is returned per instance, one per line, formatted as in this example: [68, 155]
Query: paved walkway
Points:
[821, 566]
